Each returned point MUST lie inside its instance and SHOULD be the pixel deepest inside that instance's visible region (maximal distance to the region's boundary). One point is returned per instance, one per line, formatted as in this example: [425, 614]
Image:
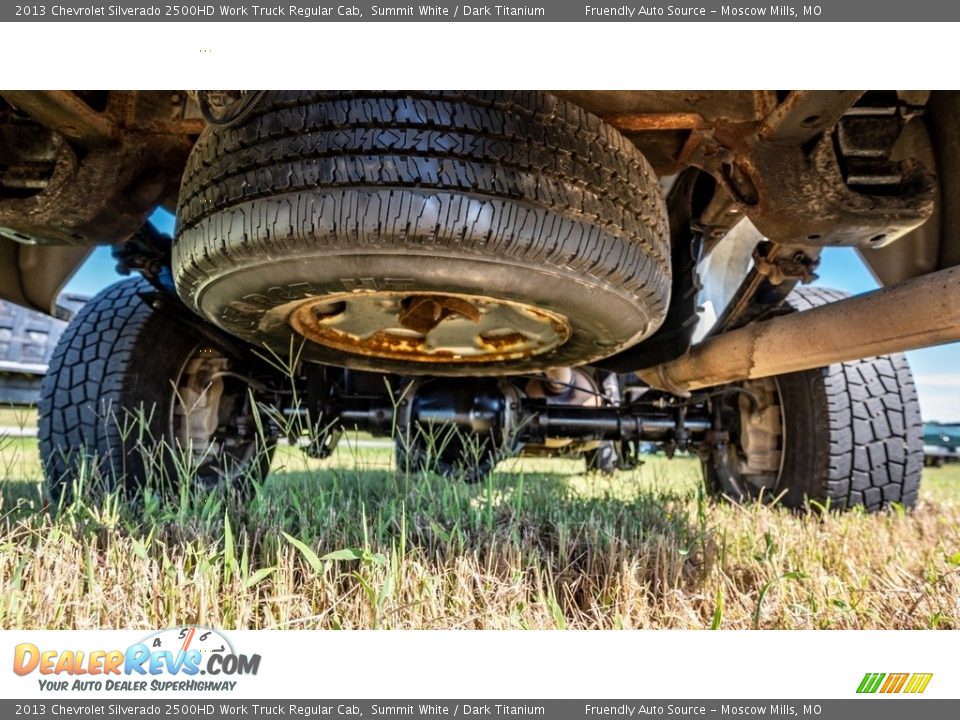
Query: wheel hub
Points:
[752, 463]
[429, 327]
[761, 428]
[196, 405]
[210, 416]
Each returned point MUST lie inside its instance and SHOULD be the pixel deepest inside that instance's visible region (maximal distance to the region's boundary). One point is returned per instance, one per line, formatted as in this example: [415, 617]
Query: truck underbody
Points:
[547, 273]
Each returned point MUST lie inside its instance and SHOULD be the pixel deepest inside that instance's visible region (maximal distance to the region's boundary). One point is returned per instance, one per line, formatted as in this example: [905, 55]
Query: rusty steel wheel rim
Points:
[429, 327]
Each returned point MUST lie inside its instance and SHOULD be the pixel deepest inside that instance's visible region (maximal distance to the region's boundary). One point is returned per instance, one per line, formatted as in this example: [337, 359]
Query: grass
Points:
[349, 542]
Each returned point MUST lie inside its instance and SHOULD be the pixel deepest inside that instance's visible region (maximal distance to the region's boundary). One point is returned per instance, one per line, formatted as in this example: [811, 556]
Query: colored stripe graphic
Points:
[870, 682]
[894, 683]
[918, 683]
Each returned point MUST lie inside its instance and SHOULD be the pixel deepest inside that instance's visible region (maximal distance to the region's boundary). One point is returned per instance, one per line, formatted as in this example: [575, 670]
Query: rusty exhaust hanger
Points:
[913, 314]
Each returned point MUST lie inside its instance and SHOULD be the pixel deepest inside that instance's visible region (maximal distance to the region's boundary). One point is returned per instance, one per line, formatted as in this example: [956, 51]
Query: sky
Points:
[936, 370]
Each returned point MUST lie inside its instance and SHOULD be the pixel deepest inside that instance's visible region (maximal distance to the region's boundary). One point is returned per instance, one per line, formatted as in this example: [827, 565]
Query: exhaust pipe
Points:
[913, 314]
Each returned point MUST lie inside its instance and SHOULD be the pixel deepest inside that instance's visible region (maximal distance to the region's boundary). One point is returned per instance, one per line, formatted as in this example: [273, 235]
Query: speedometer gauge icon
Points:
[178, 640]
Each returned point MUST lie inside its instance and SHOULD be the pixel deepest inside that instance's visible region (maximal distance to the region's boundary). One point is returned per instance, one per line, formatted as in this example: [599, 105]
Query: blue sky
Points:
[937, 370]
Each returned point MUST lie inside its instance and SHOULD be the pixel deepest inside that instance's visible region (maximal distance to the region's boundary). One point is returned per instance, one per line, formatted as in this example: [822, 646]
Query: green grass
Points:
[942, 483]
[349, 542]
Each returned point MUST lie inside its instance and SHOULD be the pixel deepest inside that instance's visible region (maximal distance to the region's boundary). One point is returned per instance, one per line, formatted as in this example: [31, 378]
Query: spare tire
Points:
[471, 233]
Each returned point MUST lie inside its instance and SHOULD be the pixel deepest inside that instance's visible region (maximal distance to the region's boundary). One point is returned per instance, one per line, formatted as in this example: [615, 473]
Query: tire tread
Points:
[871, 413]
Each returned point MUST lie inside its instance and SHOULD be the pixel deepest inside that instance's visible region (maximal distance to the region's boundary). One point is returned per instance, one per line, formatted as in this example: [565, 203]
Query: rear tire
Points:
[112, 403]
[850, 435]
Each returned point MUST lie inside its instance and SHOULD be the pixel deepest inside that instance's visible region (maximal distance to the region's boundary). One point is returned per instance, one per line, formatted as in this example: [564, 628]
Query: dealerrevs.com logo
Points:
[168, 660]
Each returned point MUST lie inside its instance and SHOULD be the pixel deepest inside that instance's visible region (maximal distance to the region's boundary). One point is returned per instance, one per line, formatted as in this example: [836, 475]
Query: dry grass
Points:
[538, 546]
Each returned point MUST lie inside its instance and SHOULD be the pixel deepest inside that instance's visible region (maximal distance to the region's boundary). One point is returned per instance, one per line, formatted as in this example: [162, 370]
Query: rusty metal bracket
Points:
[777, 268]
[816, 171]
[112, 167]
[65, 113]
